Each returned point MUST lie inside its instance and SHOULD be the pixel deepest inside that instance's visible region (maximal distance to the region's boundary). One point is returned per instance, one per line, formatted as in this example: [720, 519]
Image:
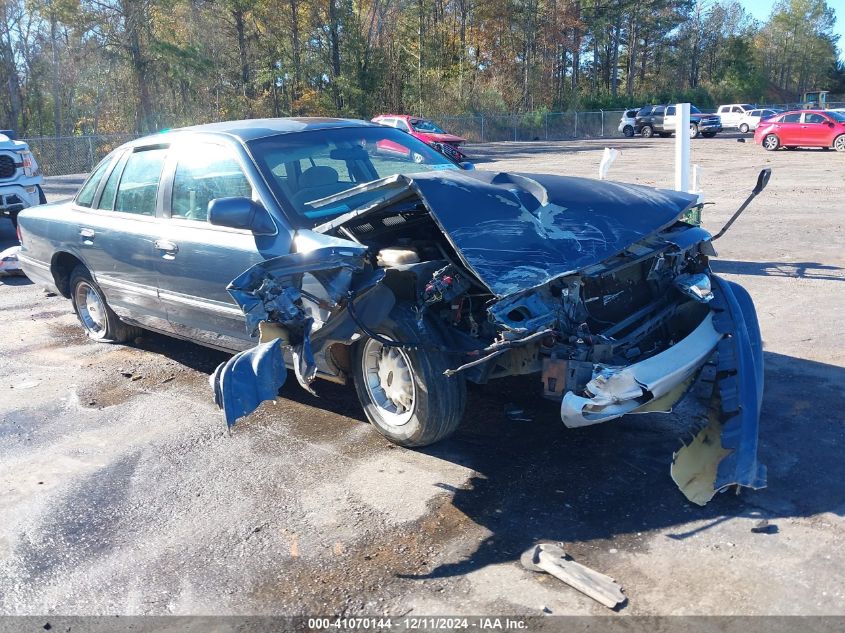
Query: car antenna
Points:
[762, 181]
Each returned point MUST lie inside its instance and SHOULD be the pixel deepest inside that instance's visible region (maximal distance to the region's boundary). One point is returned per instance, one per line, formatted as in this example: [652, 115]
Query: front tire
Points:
[771, 142]
[403, 391]
[98, 320]
[839, 143]
[647, 131]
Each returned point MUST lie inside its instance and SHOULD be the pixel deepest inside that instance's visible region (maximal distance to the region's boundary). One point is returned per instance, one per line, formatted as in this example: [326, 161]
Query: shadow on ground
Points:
[536, 480]
[804, 270]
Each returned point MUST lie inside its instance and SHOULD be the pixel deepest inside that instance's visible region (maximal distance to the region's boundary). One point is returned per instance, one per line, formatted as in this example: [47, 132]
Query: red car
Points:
[802, 128]
[424, 130]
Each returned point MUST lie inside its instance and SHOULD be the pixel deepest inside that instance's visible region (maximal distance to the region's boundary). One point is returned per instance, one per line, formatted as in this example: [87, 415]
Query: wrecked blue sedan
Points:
[410, 275]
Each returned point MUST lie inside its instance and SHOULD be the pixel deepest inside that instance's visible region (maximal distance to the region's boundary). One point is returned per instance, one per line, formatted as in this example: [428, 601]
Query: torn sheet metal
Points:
[248, 379]
[714, 462]
[516, 232]
[303, 321]
[617, 391]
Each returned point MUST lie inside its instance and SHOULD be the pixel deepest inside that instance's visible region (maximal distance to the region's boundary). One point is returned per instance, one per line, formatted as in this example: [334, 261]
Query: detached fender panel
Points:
[724, 453]
[741, 389]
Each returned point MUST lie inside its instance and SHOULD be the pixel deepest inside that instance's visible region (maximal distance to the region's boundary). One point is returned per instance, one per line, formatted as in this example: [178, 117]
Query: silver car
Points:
[325, 248]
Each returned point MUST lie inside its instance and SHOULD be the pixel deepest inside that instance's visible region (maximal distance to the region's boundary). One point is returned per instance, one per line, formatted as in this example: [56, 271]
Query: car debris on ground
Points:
[552, 559]
[9, 264]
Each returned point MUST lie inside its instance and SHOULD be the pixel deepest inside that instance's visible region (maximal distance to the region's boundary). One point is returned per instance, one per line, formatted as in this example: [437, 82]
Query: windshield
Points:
[837, 116]
[694, 110]
[421, 125]
[307, 166]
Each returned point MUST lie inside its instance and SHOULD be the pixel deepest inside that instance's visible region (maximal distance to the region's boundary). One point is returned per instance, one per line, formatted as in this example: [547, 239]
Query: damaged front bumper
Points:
[653, 384]
[724, 452]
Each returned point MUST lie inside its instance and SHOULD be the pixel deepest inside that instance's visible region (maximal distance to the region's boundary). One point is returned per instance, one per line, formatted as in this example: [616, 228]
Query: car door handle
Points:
[87, 236]
[168, 247]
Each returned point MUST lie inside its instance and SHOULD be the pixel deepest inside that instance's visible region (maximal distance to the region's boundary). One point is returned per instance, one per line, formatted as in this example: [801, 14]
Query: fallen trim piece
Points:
[553, 560]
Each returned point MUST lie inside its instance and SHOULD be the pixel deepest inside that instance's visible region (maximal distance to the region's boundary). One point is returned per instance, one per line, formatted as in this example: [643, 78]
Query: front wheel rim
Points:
[389, 382]
[92, 310]
[839, 144]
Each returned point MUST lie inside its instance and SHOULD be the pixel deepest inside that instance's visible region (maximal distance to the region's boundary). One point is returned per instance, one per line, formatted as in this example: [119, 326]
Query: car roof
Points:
[251, 129]
[397, 116]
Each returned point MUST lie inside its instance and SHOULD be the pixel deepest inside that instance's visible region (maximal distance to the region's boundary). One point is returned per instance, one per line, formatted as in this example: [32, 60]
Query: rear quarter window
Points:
[85, 197]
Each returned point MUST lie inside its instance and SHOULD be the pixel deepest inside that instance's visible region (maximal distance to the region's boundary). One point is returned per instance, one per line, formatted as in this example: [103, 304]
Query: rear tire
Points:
[693, 130]
[98, 320]
[403, 391]
[839, 143]
[744, 128]
[647, 131]
[770, 142]
[42, 199]
[628, 131]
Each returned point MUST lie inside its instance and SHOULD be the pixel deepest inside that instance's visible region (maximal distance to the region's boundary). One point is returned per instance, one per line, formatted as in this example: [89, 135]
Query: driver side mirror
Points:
[241, 213]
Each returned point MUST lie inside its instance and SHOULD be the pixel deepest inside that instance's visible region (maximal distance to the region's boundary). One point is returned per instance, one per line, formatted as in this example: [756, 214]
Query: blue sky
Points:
[761, 9]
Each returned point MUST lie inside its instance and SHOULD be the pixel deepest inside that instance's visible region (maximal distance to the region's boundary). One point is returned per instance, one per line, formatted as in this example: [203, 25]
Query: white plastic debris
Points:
[9, 264]
[607, 159]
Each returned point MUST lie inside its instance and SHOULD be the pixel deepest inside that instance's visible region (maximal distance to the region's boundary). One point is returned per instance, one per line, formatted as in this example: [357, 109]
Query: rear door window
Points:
[792, 118]
[138, 189]
[658, 111]
[205, 172]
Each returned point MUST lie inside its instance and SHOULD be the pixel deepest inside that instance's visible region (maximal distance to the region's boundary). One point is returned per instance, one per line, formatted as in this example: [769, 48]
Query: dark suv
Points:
[660, 120]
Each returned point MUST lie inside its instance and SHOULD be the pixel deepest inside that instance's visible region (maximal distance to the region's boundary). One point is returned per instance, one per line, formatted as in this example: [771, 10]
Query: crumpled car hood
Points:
[517, 232]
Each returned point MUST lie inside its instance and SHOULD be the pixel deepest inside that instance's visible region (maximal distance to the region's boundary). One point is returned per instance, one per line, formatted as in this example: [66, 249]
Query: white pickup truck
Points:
[20, 177]
[732, 113]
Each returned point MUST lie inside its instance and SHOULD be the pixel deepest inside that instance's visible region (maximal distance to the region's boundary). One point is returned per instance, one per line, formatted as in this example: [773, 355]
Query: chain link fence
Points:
[79, 154]
[537, 126]
[60, 156]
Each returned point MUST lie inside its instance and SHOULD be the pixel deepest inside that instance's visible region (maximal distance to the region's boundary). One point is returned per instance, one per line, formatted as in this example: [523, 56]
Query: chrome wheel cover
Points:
[389, 381]
[92, 310]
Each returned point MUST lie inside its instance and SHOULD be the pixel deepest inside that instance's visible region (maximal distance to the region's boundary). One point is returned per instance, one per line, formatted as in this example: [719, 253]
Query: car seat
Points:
[318, 182]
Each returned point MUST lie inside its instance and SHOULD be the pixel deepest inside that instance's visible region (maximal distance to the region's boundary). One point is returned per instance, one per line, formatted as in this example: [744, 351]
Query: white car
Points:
[20, 177]
[626, 124]
[751, 119]
[731, 113]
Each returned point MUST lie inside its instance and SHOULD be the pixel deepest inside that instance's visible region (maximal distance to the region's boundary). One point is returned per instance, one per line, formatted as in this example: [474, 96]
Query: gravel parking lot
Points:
[122, 492]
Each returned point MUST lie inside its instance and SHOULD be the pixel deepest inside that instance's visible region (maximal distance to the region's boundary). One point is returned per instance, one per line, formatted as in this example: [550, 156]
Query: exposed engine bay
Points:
[604, 292]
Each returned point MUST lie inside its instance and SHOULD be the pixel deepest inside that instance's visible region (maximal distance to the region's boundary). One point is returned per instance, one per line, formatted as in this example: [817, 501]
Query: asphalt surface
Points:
[122, 492]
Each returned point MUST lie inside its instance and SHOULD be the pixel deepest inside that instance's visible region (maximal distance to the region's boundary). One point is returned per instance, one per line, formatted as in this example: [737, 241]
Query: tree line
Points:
[108, 66]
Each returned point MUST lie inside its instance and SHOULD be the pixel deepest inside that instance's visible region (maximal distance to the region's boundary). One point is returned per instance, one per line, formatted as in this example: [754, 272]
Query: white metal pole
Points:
[682, 140]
